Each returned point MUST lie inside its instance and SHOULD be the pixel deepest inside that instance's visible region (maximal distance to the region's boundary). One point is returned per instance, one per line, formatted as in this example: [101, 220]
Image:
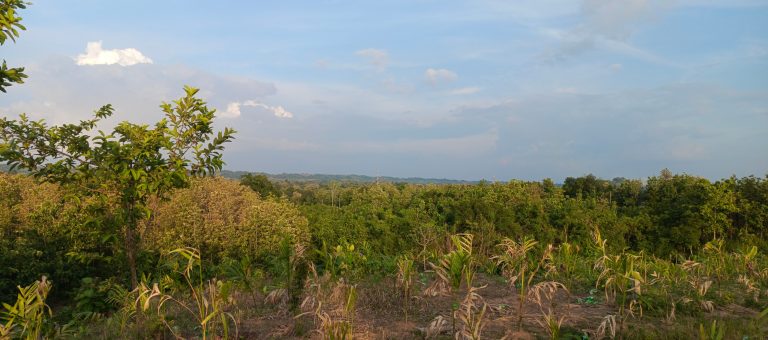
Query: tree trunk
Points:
[130, 251]
[130, 243]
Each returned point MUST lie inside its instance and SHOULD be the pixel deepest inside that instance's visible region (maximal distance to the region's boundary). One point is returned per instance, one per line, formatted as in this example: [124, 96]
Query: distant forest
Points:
[324, 178]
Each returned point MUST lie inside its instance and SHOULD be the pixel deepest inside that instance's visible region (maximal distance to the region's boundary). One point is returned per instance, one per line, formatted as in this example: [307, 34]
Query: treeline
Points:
[326, 179]
[665, 215]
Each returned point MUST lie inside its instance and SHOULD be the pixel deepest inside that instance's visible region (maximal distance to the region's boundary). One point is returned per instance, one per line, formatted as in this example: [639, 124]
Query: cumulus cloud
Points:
[96, 55]
[233, 109]
[376, 57]
[440, 75]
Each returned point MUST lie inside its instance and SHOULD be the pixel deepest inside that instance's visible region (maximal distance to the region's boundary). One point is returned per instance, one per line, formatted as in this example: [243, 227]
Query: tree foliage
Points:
[10, 25]
[122, 169]
[223, 219]
[259, 183]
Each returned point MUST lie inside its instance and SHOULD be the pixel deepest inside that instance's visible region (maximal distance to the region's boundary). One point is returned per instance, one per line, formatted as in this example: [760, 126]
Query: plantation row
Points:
[487, 259]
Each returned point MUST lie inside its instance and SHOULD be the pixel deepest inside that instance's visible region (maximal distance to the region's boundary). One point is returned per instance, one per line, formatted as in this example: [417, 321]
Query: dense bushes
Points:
[667, 215]
[223, 219]
[45, 232]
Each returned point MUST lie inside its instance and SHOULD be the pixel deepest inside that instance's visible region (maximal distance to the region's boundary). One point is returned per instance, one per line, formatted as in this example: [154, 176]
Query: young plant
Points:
[666, 277]
[607, 327]
[699, 284]
[343, 261]
[242, 273]
[566, 260]
[621, 280]
[518, 265]
[716, 262]
[25, 318]
[405, 271]
[471, 315]
[454, 267]
[714, 332]
[543, 294]
[288, 268]
[332, 308]
[208, 298]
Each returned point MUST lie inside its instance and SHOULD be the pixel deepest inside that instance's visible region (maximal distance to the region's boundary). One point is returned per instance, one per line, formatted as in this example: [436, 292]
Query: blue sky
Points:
[455, 89]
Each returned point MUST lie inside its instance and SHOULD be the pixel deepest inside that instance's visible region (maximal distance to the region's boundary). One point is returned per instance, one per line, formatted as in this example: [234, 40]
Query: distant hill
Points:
[322, 178]
[7, 168]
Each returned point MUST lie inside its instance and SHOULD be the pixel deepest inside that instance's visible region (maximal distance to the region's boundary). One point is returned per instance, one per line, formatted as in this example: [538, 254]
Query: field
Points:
[280, 259]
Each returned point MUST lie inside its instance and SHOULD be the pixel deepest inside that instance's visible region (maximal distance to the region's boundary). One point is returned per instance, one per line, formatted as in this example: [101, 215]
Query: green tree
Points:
[676, 205]
[124, 168]
[10, 24]
[259, 183]
[588, 186]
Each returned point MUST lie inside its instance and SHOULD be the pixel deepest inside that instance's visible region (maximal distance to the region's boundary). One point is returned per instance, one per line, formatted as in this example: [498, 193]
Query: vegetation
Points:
[554, 261]
[122, 170]
[10, 25]
[142, 245]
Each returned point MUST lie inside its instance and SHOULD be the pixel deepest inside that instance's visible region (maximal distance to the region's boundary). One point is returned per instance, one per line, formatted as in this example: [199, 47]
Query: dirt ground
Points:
[380, 315]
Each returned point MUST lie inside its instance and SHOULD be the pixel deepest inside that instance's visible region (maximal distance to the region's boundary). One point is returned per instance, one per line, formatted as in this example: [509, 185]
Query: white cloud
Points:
[233, 109]
[61, 91]
[95, 55]
[440, 75]
[608, 25]
[465, 90]
[376, 57]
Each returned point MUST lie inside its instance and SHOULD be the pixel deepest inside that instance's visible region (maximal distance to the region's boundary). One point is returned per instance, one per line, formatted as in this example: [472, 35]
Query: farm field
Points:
[383, 260]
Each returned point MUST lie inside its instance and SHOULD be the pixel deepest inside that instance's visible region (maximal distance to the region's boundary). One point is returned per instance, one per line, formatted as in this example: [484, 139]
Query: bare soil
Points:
[380, 315]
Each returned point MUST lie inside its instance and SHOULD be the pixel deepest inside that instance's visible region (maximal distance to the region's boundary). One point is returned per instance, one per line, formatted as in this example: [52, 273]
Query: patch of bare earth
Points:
[380, 314]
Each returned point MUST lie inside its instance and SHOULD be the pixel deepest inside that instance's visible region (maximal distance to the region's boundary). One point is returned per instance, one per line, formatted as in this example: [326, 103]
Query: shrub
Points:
[223, 219]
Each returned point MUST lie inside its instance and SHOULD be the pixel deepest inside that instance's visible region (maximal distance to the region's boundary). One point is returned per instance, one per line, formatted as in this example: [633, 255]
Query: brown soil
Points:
[380, 315]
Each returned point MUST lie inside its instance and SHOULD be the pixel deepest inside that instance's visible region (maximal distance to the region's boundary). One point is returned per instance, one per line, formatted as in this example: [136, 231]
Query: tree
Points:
[10, 24]
[124, 168]
[676, 205]
[259, 183]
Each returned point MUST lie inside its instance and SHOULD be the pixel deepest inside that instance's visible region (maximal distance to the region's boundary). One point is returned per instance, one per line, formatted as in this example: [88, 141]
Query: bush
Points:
[223, 219]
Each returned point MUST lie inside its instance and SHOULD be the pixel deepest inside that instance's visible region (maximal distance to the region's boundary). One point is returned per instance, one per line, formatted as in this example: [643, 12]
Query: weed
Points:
[405, 271]
[471, 315]
[208, 298]
[25, 319]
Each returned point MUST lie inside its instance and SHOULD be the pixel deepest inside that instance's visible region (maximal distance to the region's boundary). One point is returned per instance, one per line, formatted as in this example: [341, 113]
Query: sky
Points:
[476, 89]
